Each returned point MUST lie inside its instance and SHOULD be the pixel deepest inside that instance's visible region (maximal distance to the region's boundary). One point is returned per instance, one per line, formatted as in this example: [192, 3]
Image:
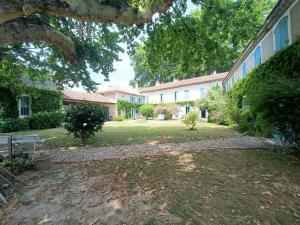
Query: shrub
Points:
[120, 118]
[191, 120]
[84, 120]
[167, 111]
[213, 102]
[147, 111]
[18, 162]
[13, 125]
[46, 120]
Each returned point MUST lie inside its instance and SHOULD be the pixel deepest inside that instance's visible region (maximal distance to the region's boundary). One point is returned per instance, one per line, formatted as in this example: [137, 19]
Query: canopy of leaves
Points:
[64, 41]
[210, 39]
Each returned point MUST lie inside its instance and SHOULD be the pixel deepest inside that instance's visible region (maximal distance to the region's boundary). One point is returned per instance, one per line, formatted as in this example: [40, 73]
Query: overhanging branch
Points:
[29, 30]
[85, 10]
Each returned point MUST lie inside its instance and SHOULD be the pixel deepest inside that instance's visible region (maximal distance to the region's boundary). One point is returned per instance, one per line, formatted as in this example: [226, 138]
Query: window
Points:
[202, 92]
[281, 34]
[140, 100]
[257, 56]
[186, 95]
[162, 97]
[232, 81]
[176, 96]
[147, 99]
[244, 69]
[25, 106]
[132, 99]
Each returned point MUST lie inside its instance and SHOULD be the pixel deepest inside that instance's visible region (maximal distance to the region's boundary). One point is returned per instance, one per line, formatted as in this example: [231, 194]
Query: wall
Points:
[267, 42]
[194, 93]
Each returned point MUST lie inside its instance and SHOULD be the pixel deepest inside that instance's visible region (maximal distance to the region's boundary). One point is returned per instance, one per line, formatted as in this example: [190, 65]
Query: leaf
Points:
[267, 193]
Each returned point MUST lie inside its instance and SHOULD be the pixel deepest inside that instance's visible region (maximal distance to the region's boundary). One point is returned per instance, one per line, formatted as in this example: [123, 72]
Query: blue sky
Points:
[124, 71]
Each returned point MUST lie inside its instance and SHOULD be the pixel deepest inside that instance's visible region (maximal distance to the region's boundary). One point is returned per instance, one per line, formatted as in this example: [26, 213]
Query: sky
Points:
[124, 70]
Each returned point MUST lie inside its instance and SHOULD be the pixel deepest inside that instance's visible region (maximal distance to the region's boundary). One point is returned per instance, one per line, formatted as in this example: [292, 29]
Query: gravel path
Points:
[134, 151]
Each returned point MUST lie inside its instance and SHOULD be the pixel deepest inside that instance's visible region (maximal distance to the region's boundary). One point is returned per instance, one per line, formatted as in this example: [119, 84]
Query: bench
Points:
[21, 139]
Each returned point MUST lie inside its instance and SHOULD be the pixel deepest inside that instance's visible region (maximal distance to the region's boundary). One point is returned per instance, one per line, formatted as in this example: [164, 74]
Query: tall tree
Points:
[210, 39]
[64, 40]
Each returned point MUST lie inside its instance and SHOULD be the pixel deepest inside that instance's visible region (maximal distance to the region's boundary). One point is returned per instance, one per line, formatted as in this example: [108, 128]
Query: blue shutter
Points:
[202, 92]
[244, 69]
[281, 34]
[186, 95]
[257, 56]
[233, 81]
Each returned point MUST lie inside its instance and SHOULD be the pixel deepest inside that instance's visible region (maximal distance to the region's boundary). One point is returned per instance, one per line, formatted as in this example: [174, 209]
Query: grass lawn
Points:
[136, 132]
[209, 187]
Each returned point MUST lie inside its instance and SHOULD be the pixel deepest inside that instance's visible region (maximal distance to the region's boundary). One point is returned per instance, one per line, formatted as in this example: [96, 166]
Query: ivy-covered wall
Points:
[42, 100]
[267, 101]
[125, 106]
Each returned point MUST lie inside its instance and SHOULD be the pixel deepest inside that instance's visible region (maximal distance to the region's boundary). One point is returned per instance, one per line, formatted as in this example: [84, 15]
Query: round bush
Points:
[147, 111]
[84, 120]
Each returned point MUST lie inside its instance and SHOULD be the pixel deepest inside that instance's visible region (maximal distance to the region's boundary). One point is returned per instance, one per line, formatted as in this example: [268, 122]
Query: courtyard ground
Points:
[157, 172]
[208, 187]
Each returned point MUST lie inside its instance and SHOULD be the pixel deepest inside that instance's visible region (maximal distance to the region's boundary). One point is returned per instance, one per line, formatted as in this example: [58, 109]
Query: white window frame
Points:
[20, 102]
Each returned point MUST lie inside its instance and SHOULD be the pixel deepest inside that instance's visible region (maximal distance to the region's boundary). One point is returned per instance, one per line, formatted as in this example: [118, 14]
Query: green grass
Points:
[212, 187]
[132, 132]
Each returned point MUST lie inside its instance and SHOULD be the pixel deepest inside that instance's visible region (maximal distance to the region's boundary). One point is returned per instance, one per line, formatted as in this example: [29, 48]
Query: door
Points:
[133, 113]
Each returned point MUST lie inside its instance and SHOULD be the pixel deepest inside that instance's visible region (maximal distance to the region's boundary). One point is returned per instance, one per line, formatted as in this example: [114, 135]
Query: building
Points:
[282, 28]
[74, 97]
[184, 91]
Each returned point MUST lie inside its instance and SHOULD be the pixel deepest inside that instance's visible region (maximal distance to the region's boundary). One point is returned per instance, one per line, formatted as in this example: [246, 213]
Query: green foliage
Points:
[166, 110]
[13, 125]
[84, 120]
[8, 103]
[266, 101]
[210, 39]
[46, 120]
[125, 107]
[18, 162]
[120, 118]
[44, 100]
[191, 120]
[214, 103]
[147, 111]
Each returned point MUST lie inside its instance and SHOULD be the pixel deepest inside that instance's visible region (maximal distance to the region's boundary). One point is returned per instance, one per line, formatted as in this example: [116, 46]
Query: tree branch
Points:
[84, 10]
[28, 30]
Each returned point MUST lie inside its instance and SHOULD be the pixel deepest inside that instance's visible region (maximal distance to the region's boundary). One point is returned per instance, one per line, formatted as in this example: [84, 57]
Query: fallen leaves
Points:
[267, 193]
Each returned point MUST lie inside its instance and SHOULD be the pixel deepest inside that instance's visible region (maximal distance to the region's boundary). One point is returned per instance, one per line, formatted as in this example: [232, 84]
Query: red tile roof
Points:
[188, 82]
[118, 88]
[77, 96]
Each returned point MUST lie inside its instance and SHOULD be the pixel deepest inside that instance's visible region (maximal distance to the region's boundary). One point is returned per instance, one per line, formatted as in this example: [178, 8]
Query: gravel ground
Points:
[134, 151]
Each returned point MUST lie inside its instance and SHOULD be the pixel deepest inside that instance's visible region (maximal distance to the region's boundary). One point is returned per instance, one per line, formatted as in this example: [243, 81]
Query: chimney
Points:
[157, 83]
[175, 80]
[215, 72]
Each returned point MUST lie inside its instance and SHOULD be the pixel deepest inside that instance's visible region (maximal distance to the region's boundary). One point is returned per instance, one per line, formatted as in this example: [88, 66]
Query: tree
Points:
[60, 40]
[208, 40]
[147, 111]
[214, 103]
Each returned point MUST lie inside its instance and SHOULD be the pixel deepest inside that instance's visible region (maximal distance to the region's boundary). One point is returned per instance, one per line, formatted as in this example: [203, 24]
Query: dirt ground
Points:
[209, 187]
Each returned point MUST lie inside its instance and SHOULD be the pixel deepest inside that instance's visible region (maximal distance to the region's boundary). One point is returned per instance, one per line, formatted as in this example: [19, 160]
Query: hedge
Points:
[266, 102]
[46, 120]
[13, 125]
